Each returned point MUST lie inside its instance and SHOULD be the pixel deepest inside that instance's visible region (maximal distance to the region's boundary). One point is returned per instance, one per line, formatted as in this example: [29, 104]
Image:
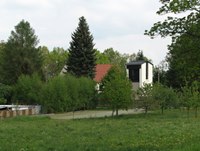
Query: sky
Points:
[119, 24]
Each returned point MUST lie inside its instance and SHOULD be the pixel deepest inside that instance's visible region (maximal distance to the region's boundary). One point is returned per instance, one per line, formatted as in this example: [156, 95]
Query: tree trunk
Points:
[146, 109]
[116, 112]
[113, 112]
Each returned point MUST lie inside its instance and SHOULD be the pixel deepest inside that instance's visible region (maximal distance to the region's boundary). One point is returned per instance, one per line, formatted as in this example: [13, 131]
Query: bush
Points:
[67, 93]
[5, 93]
[59, 94]
[27, 90]
[165, 97]
[86, 92]
[55, 95]
[145, 99]
[190, 96]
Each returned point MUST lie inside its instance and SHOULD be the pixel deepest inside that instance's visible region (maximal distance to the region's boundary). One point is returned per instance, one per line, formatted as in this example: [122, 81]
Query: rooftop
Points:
[139, 62]
[101, 71]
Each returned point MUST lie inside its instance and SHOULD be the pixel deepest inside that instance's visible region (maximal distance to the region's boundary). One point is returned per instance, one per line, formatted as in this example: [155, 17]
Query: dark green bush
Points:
[28, 90]
[5, 93]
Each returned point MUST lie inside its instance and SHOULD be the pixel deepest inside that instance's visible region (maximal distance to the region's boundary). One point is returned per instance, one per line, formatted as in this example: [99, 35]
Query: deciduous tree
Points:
[176, 26]
[184, 54]
[20, 55]
[117, 90]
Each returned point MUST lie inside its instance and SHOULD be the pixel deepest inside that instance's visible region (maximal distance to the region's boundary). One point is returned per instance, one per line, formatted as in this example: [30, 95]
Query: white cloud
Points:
[114, 23]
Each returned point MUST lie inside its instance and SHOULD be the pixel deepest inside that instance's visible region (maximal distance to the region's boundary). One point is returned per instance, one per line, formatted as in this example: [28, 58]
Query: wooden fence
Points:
[13, 113]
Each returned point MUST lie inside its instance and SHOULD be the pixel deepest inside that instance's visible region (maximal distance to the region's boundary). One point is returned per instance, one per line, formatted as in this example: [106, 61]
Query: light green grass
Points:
[154, 132]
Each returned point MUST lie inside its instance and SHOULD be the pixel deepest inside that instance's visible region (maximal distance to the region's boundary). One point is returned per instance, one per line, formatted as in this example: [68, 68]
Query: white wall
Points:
[143, 74]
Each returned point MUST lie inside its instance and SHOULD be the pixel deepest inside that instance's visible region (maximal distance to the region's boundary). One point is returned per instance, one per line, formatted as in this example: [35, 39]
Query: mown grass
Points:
[153, 132]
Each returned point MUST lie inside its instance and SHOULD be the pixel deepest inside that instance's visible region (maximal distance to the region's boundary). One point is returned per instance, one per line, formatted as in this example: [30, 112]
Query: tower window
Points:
[147, 70]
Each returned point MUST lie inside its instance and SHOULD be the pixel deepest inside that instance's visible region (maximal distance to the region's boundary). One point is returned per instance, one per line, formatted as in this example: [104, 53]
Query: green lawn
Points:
[154, 132]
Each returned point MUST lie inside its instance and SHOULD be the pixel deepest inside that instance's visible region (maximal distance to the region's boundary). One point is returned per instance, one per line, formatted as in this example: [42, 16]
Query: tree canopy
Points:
[183, 56]
[54, 61]
[82, 56]
[117, 89]
[175, 26]
[20, 55]
[184, 62]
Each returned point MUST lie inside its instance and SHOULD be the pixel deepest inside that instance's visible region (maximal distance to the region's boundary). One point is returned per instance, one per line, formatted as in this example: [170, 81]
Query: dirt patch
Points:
[93, 114]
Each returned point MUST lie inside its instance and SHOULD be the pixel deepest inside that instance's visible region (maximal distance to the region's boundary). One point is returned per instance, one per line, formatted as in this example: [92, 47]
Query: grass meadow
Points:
[173, 131]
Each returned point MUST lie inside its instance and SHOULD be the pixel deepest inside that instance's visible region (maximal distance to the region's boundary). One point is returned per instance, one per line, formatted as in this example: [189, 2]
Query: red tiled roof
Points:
[101, 71]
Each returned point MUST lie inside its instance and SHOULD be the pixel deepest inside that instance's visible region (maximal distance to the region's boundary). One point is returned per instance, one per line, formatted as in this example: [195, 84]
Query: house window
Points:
[147, 70]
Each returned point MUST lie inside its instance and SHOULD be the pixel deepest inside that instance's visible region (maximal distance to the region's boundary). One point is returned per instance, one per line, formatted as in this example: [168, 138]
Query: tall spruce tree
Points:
[82, 56]
[20, 55]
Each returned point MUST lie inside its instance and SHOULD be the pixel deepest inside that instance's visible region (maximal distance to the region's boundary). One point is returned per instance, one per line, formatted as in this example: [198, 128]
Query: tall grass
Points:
[151, 132]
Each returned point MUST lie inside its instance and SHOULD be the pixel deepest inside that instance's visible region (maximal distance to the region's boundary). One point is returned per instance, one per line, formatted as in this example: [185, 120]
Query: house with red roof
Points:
[101, 71]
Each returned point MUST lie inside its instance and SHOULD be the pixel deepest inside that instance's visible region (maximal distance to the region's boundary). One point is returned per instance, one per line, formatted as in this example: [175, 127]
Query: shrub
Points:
[67, 93]
[27, 89]
[55, 95]
[86, 92]
[165, 97]
[190, 96]
[59, 94]
[145, 99]
[5, 93]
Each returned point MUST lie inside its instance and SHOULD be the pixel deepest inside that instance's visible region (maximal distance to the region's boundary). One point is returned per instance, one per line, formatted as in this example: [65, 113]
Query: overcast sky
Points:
[119, 24]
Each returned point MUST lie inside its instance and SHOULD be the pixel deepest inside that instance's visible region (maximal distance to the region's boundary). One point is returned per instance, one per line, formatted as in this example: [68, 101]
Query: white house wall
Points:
[150, 80]
[143, 74]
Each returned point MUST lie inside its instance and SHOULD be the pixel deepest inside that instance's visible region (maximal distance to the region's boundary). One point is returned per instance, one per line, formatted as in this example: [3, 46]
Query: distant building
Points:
[140, 72]
[101, 71]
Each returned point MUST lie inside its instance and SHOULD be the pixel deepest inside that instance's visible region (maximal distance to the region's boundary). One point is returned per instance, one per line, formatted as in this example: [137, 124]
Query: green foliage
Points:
[145, 99]
[140, 56]
[55, 95]
[175, 26]
[165, 97]
[117, 89]
[116, 58]
[67, 93]
[102, 58]
[54, 61]
[183, 59]
[5, 93]
[28, 90]
[86, 93]
[190, 96]
[20, 55]
[82, 56]
[2, 47]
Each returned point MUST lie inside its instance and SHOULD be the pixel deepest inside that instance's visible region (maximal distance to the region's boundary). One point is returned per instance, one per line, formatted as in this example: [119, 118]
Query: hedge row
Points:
[60, 94]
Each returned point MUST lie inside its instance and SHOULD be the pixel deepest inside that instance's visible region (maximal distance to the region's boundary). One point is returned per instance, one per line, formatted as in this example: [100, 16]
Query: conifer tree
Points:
[82, 58]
